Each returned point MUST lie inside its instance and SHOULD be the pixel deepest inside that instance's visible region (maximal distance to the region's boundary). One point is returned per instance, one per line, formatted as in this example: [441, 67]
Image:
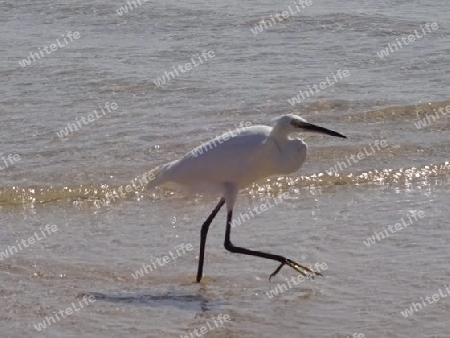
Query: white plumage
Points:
[252, 154]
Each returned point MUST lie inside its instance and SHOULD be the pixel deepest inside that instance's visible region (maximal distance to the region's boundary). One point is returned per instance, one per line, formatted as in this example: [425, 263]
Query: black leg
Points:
[283, 260]
[203, 234]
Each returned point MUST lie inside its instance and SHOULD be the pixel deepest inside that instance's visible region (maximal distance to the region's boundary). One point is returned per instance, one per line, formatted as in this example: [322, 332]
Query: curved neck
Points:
[279, 135]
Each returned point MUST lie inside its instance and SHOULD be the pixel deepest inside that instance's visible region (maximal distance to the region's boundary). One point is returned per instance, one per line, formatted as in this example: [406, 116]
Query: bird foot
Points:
[304, 270]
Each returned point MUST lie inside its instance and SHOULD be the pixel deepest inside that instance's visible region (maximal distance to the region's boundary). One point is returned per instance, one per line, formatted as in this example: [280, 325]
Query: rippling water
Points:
[335, 204]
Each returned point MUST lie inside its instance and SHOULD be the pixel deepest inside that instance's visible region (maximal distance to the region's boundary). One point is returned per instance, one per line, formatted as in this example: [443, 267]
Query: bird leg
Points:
[305, 271]
[297, 267]
[203, 234]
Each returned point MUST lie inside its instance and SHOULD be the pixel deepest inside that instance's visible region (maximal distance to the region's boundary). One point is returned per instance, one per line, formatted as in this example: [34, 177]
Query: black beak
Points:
[313, 127]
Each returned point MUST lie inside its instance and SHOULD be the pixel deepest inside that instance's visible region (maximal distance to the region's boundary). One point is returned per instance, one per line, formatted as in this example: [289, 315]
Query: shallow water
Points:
[330, 212]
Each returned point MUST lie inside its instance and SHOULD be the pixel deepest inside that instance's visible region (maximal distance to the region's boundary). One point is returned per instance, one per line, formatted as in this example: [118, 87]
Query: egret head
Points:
[293, 124]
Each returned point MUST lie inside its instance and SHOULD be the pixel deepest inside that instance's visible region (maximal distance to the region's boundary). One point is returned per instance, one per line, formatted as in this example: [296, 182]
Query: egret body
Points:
[229, 163]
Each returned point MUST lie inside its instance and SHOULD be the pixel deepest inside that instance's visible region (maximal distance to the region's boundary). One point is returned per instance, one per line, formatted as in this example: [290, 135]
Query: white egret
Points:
[228, 163]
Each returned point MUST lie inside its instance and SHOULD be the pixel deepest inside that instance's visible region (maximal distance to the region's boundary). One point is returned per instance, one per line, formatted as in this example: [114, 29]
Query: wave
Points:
[98, 195]
[414, 112]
